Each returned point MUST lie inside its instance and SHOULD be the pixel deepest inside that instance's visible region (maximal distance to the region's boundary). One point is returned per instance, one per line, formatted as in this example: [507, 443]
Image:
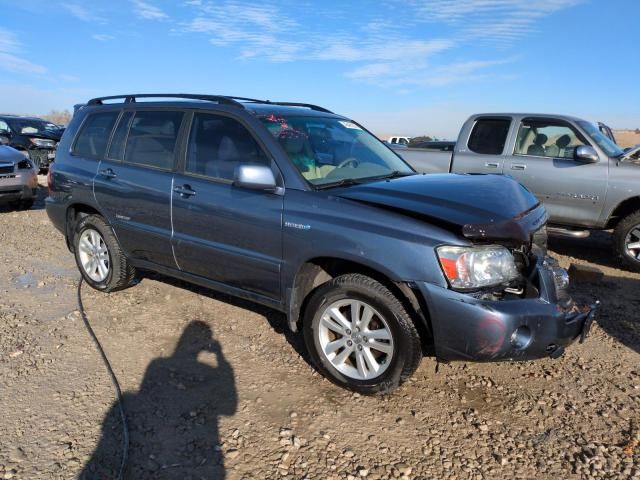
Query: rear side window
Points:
[94, 135]
[489, 136]
[116, 150]
[152, 138]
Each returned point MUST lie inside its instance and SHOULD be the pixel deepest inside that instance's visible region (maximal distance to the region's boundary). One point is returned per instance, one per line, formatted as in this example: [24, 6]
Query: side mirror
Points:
[255, 177]
[586, 154]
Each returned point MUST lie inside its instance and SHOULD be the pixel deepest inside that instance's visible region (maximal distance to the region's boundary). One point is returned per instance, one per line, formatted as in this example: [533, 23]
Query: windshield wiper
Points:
[345, 182]
[395, 174]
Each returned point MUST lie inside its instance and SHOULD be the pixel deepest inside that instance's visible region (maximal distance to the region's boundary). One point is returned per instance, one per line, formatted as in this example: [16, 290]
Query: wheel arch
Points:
[624, 208]
[317, 271]
[75, 213]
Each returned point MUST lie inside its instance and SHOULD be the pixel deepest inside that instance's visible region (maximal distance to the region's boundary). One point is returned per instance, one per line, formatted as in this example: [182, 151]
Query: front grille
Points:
[40, 157]
[6, 169]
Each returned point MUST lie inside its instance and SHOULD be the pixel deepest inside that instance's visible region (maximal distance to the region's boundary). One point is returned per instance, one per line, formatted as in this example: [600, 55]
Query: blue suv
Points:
[305, 211]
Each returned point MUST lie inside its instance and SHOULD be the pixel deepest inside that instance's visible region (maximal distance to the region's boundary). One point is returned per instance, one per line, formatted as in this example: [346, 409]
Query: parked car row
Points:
[305, 211]
[35, 137]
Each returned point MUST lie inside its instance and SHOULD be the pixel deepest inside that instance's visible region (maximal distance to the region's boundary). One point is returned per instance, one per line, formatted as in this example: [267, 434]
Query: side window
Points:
[116, 150]
[489, 135]
[94, 135]
[544, 138]
[394, 140]
[4, 126]
[217, 145]
[152, 138]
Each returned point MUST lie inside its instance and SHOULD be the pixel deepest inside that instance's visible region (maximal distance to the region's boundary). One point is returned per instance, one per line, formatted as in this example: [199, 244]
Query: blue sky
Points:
[403, 67]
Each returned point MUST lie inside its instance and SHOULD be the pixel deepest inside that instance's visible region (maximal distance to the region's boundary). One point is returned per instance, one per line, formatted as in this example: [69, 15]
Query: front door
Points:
[543, 160]
[225, 233]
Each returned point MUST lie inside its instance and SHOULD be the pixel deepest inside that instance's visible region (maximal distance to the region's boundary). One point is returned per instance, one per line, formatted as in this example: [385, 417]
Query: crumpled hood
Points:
[484, 206]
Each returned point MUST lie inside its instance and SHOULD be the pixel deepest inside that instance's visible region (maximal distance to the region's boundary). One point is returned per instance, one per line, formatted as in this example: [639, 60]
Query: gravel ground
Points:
[216, 388]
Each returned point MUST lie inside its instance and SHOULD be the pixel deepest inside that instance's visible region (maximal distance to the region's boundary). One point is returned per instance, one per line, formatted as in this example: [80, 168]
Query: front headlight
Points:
[475, 267]
[41, 142]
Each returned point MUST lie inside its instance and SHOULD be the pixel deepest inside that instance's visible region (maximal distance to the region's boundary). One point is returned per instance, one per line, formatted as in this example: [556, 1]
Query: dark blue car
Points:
[305, 211]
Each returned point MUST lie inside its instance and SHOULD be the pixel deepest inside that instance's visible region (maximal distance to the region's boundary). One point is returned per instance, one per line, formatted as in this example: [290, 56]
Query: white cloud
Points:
[499, 21]
[405, 74]
[10, 48]
[383, 51]
[15, 64]
[148, 11]
[102, 37]
[81, 12]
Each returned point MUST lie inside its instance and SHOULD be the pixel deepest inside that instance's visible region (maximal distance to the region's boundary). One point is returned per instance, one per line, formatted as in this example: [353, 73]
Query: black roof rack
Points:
[221, 99]
[284, 104]
[131, 98]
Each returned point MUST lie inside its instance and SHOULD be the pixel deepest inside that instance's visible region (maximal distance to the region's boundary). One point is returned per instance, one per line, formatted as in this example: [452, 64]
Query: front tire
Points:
[627, 241]
[360, 336]
[99, 256]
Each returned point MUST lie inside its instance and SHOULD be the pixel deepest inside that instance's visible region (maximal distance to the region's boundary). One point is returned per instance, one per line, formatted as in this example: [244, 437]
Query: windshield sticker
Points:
[350, 125]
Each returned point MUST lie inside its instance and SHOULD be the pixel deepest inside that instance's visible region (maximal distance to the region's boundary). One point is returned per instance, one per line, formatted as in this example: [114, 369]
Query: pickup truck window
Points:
[218, 144]
[489, 135]
[328, 150]
[543, 138]
[604, 142]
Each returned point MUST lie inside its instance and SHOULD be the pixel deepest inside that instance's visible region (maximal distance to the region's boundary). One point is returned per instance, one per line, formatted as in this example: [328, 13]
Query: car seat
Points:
[537, 148]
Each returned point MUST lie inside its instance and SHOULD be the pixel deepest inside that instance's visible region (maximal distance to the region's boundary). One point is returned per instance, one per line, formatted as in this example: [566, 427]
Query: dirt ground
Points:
[216, 388]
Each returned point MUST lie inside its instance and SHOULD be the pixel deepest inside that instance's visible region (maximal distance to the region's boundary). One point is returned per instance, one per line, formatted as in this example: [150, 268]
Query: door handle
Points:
[491, 165]
[185, 191]
[518, 166]
[108, 172]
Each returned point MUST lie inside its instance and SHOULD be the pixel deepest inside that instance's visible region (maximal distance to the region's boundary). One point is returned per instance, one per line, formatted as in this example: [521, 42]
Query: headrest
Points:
[563, 141]
[541, 139]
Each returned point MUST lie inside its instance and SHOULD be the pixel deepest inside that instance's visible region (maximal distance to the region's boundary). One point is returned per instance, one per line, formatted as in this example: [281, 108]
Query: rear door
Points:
[543, 160]
[483, 150]
[133, 184]
[222, 232]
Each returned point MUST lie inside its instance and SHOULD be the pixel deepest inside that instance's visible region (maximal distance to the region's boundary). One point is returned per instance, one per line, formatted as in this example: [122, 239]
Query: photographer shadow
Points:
[173, 418]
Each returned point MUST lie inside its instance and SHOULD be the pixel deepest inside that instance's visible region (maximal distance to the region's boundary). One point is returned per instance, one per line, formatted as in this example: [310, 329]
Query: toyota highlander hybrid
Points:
[305, 211]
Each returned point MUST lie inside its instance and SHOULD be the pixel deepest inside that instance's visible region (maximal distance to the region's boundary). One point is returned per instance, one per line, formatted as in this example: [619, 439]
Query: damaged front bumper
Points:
[475, 329]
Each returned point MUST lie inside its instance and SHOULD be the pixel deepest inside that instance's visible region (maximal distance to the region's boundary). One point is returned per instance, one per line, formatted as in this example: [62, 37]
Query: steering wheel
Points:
[351, 160]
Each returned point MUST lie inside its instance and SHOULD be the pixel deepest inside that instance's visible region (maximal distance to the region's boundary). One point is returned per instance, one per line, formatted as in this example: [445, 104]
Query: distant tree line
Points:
[59, 117]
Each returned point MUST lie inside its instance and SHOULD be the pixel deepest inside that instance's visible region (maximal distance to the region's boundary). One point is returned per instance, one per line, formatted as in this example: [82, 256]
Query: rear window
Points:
[94, 135]
[489, 136]
[152, 138]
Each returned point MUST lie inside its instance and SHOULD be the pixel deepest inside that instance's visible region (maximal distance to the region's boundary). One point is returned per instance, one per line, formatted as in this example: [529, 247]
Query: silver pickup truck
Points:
[584, 179]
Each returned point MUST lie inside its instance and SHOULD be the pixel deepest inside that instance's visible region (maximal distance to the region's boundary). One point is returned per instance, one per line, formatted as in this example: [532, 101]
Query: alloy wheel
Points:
[94, 255]
[632, 243]
[356, 339]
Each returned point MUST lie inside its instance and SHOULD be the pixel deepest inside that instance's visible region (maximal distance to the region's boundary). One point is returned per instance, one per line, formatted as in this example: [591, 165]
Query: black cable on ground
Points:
[114, 380]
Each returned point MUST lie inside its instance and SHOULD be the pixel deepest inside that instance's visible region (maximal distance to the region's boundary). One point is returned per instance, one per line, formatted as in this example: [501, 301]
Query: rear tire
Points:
[626, 238]
[372, 347]
[99, 256]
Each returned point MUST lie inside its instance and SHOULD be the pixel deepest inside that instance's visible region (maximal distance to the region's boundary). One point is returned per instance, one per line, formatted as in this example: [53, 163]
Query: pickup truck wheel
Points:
[99, 257]
[627, 241]
[360, 336]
